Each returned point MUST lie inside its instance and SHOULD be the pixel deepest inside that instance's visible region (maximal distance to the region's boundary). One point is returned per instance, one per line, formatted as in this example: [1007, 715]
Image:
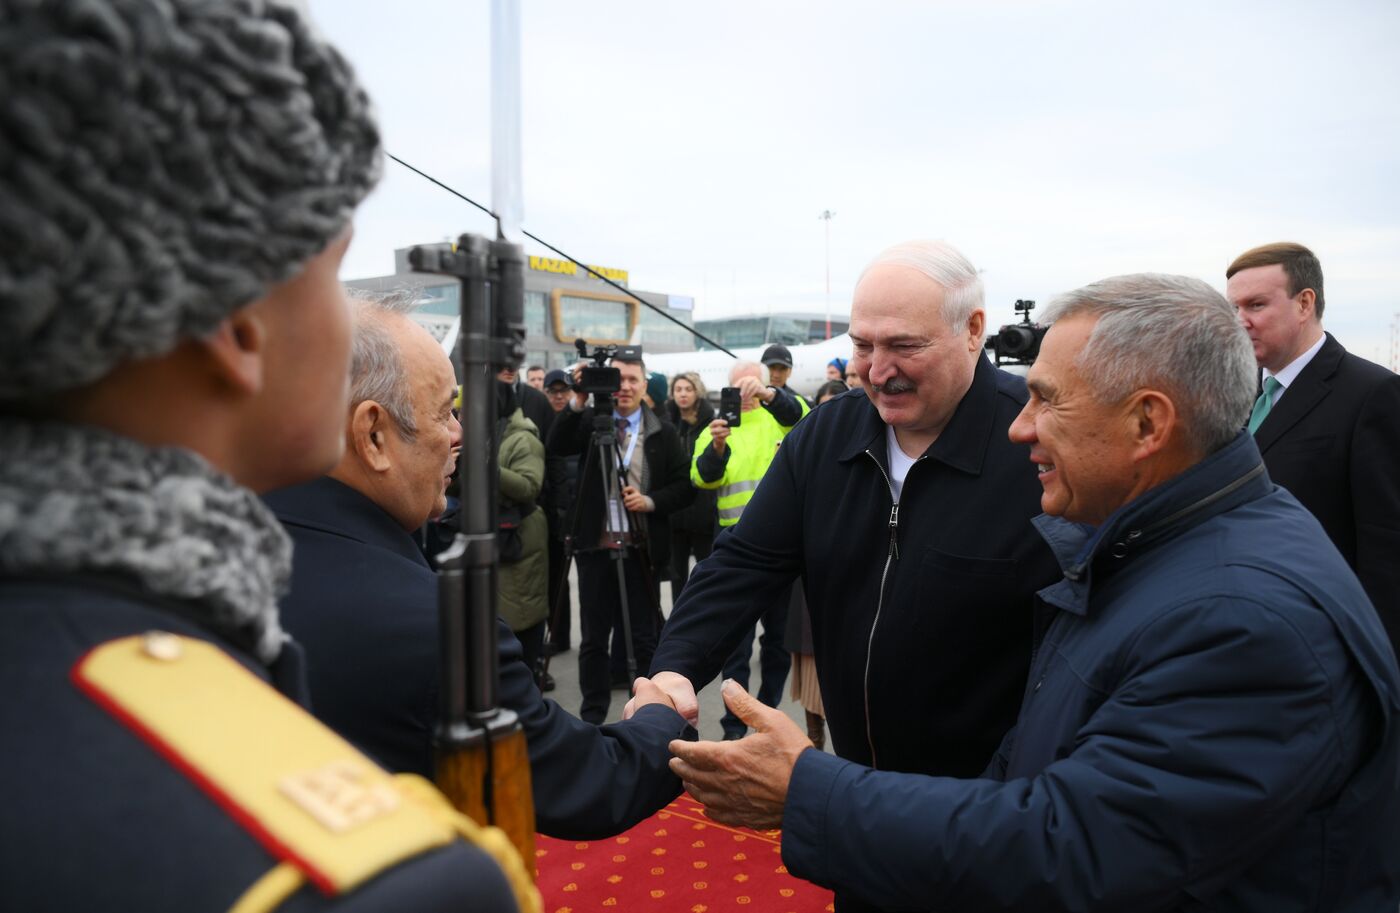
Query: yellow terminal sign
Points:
[569, 268]
[608, 272]
[546, 265]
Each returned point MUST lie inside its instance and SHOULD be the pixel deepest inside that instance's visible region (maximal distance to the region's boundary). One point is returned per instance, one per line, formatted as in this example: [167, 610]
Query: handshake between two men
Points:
[742, 782]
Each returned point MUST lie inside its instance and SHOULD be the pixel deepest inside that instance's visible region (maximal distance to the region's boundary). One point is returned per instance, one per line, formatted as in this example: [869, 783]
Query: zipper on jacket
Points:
[892, 554]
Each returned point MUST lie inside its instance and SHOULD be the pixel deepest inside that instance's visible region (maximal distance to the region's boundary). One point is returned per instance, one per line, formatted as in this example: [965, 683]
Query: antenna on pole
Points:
[506, 191]
[826, 217]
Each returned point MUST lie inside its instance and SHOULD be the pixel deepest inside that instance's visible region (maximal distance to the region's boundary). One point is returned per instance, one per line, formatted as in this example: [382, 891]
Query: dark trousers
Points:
[561, 606]
[617, 656]
[774, 661]
[600, 615]
[532, 643]
[685, 543]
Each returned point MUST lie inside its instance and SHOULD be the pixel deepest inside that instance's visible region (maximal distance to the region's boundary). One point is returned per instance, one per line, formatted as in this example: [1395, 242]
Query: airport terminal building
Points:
[563, 302]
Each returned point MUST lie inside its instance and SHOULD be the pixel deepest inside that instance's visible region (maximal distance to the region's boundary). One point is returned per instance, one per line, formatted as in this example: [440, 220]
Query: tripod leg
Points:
[626, 616]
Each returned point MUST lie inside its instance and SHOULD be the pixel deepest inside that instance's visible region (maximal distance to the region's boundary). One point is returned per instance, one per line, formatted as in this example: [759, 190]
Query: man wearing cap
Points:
[778, 360]
[732, 461]
[557, 388]
[173, 338]
[561, 475]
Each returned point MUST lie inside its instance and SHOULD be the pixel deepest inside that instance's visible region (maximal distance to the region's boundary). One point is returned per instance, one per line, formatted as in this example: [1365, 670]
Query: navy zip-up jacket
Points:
[363, 603]
[1209, 724]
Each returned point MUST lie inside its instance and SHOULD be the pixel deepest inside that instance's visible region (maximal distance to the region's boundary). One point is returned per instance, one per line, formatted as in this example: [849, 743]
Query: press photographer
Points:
[633, 473]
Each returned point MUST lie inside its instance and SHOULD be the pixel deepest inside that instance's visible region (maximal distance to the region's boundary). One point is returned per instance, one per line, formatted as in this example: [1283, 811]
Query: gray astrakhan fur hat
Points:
[162, 163]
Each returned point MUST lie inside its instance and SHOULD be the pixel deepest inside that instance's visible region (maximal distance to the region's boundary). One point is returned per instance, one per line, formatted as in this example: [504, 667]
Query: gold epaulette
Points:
[331, 815]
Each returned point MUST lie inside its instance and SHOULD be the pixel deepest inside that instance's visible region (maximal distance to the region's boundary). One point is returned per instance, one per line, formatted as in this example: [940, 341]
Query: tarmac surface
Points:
[564, 668]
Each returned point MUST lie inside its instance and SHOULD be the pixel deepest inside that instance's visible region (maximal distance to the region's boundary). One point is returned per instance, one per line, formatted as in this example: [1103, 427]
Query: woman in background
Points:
[693, 527]
[831, 388]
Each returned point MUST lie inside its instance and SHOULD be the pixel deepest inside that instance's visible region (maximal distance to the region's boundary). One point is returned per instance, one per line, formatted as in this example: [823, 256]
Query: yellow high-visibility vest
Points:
[752, 447]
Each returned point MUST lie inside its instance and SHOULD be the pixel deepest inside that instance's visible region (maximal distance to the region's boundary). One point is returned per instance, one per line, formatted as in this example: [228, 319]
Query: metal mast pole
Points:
[506, 191]
[826, 217]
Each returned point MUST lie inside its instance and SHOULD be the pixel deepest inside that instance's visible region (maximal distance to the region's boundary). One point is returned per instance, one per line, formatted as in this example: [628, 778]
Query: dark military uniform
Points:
[110, 805]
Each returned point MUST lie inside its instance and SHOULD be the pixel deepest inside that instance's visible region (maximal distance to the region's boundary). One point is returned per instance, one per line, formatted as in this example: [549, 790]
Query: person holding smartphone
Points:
[731, 458]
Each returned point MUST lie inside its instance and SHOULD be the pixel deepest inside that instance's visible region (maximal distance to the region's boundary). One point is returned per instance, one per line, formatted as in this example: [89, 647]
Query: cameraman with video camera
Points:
[654, 480]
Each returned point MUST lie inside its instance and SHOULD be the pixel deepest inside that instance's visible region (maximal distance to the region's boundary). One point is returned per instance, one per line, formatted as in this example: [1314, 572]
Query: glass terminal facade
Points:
[562, 303]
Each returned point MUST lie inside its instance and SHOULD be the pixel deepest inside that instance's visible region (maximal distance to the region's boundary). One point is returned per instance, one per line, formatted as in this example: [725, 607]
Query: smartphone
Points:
[730, 406]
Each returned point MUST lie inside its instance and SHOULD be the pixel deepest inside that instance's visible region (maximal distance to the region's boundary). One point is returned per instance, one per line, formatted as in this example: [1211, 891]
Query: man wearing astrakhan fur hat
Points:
[177, 180]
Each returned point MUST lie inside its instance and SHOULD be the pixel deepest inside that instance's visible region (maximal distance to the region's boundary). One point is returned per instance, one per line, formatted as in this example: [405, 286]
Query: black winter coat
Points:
[699, 517]
[922, 618]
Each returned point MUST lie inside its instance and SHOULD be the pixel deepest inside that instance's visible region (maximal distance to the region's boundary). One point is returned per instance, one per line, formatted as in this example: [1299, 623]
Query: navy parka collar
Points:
[1222, 481]
[962, 444]
[333, 507]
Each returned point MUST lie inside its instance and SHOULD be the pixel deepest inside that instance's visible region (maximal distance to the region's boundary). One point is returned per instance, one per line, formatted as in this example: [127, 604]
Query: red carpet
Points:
[677, 861]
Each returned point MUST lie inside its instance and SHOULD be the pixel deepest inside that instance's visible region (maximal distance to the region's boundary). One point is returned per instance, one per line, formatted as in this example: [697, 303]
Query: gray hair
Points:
[376, 368]
[167, 162]
[744, 368]
[1171, 332]
[945, 265]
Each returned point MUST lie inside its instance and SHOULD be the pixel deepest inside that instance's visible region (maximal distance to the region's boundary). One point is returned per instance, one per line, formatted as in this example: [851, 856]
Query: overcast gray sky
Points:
[1055, 143]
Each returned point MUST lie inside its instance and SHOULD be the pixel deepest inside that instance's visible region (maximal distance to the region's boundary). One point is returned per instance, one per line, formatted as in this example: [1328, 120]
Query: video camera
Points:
[599, 378]
[1017, 343]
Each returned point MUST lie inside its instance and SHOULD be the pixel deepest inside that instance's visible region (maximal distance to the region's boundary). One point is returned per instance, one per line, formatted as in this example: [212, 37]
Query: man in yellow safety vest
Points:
[733, 461]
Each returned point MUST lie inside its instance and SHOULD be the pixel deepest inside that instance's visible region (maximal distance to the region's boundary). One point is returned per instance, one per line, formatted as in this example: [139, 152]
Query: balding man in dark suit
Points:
[1327, 422]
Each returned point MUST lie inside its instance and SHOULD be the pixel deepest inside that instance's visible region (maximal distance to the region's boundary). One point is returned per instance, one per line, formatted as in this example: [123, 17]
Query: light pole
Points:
[826, 217]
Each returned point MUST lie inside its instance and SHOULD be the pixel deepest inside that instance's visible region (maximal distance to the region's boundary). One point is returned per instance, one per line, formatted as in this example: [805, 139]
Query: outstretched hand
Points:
[676, 687]
[743, 782]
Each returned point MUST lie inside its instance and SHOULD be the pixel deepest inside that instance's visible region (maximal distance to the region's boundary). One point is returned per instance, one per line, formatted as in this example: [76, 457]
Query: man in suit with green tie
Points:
[1326, 421]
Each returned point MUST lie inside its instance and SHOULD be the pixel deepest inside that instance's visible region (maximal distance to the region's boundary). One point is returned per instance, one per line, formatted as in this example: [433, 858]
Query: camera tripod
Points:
[604, 470]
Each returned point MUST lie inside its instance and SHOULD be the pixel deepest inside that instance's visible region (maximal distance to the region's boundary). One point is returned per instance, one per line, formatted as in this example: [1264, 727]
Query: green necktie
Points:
[1264, 403]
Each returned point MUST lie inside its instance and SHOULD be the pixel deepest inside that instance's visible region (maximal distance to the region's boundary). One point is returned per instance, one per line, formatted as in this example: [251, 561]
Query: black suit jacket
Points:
[363, 604]
[1333, 440]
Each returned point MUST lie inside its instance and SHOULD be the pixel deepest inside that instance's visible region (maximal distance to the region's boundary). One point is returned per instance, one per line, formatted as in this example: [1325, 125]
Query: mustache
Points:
[895, 385]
